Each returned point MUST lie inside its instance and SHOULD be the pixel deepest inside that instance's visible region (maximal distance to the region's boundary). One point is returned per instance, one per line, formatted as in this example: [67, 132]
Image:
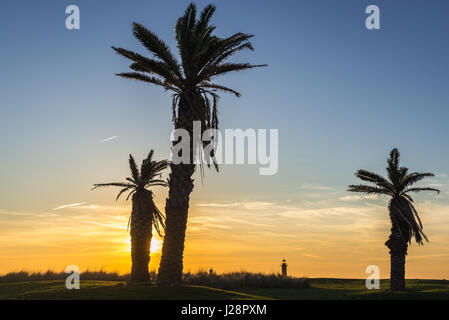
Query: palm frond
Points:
[143, 64]
[158, 219]
[113, 184]
[134, 170]
[420, 189]
[130, 194]
[158, 68]
[151, 169]
[415, 177]
[204, 18]
[183, 32]
[393, 168]
[219, 87]
[153, 184]
[368, 189]
[406, 214]
[131, 180]
[120, 193]
[156, 46]
[409, 198]
[394, 157]
[190, 16]
[141, 77]
[229, 67]
[220, 46]
[159, 166]
[145, 168]
[228, 53]
[416, 214]
[375, 178]
[403, 172]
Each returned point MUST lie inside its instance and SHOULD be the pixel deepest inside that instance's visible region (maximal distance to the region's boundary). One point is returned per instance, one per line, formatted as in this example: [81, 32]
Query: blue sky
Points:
[340, 95]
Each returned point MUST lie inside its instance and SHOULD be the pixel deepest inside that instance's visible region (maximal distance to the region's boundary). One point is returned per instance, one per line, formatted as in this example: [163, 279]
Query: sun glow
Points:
[155, 246]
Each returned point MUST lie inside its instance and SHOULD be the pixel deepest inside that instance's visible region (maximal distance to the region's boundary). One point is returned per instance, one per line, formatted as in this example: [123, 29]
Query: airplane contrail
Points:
[108, 139]
[69, 205]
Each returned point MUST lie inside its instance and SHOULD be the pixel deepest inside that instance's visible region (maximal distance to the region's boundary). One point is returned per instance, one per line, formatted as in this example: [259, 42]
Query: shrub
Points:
[244, 279]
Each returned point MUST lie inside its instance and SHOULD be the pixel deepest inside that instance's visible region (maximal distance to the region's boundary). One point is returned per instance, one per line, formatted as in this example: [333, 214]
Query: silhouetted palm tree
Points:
[203, 57]
[404, 217]
[144, 214]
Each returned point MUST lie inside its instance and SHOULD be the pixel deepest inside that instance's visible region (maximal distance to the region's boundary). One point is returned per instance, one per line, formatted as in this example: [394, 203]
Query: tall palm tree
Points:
[203, 57]
[404, 217]
[144, 215]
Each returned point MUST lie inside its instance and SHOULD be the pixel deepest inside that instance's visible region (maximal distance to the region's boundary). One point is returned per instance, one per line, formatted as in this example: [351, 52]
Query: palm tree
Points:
[404, 217]
[144, 214]
[203, 57]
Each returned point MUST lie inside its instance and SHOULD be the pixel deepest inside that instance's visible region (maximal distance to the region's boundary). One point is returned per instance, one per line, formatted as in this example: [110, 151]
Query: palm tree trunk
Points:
[141, 234]
[398, 251]
[180, 184]
[176, 210]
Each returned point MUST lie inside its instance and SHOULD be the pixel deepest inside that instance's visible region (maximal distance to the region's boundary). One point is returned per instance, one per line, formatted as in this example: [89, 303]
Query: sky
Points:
[340, 95]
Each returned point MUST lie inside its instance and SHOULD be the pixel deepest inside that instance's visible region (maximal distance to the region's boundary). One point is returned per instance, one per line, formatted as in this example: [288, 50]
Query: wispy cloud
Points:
[215, 204]
[251, 205]
[436, 185]
[106, 225]
[108, 139]
[356, 198]
[70, 205]
[312, 186]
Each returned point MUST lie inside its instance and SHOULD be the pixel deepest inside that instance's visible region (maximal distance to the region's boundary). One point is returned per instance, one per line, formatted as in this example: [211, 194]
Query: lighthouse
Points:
[284, 268]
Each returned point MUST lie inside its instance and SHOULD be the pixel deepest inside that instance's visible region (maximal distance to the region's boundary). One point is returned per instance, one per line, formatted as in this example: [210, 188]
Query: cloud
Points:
[309, 255]
[436, 185]
[357, 198]
[248, 222]
[215, 204]
[12, 213]
[71, 205]
[108, 139]
[315, 187]
[106, 225]
[250, 205]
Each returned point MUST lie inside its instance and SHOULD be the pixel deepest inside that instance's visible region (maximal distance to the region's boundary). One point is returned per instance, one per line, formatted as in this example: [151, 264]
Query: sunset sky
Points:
[341, 96]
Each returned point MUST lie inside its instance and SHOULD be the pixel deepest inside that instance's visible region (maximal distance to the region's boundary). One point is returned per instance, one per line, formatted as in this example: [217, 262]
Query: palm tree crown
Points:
[403, 213]
[203, 57]
[140, 180]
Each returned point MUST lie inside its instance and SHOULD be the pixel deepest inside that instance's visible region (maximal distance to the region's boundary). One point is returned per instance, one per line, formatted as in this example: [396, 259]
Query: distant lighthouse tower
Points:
[284, 268]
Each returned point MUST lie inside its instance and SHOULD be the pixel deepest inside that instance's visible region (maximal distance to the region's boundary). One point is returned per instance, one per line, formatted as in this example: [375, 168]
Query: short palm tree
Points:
[203, 57]
[404, 217]
[144, 215]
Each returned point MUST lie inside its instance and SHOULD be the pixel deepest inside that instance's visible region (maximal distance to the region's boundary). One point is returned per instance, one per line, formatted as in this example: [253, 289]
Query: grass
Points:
[335, 289]
[105, 290]
[244, 280]
[354, 289]
[23, 276]
[202, 278]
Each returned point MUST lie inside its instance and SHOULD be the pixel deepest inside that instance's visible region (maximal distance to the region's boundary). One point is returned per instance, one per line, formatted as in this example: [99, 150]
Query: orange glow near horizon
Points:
[338, 240]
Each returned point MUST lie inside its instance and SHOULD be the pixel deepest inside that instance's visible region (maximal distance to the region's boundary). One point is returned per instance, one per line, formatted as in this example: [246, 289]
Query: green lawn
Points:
[344, 289]
[321, 289]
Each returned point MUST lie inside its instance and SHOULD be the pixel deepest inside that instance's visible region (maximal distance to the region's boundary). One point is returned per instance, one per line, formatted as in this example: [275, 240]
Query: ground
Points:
[321, 289]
